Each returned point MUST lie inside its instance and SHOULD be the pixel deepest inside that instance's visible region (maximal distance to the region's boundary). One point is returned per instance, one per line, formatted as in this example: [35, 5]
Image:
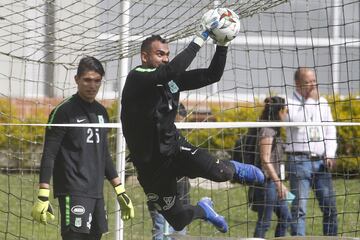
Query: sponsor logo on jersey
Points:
[101, 119]
[185, 148]
[78, 210]
[78, 222]
[80, 120]
[169, 201]
[193, 153]
[189, 150]
[152, 197]
[88, 223]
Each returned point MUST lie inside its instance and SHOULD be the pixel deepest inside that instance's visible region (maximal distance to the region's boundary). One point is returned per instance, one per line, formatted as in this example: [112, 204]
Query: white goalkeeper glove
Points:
[126, 206]
[224, 44]
[42, 209]
[207, 23]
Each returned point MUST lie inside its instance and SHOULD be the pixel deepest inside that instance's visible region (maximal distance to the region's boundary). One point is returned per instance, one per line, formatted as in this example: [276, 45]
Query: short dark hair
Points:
[299, 71]
[89, 63]
[273, 105]
[146, 44]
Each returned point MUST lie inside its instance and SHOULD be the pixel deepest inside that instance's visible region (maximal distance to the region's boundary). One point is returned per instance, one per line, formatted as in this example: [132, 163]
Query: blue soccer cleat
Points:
[217, 220]
[247, 173]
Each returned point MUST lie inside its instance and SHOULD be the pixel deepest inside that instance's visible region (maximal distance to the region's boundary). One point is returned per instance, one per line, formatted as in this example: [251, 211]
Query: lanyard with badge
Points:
[313, 132]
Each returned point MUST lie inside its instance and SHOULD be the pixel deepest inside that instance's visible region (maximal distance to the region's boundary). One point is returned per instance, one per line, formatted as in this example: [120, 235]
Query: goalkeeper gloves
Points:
[42, 209]
[126, 206]
[201, 36]
[208, 22]
[224, 44]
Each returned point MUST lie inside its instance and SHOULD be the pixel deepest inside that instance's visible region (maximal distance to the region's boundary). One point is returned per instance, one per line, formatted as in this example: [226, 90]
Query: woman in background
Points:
[274, 192]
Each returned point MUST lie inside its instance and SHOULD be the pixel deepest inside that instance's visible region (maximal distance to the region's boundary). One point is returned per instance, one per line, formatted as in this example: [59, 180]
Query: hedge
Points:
[22, 146]
[347, 109]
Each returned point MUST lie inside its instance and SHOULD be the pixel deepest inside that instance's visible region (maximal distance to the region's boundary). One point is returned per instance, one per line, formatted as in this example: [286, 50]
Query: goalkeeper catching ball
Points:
[150, 100]
[78, 158]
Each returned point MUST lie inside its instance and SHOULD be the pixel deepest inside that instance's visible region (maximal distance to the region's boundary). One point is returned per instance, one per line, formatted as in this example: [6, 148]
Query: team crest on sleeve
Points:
[169, 202]
[101, 118]
[173, 87]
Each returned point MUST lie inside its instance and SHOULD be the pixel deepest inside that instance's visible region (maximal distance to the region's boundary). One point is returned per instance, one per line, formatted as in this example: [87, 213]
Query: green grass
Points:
[232, 204]
[17, 193]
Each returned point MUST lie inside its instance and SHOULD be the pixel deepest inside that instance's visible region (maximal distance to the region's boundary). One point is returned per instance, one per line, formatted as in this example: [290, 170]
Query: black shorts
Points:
[190, 161]
[83, 214]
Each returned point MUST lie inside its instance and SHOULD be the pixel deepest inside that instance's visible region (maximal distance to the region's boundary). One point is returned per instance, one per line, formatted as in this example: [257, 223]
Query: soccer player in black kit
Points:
[78, 158]
[160, 154]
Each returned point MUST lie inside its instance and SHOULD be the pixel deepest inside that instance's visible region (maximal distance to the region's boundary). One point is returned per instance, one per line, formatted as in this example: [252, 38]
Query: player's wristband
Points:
[201, 38]
[44, 193]
[199, 41]
[224, 44]
[119, 189]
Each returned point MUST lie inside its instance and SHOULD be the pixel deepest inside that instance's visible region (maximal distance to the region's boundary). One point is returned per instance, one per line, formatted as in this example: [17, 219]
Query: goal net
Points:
[42, 41]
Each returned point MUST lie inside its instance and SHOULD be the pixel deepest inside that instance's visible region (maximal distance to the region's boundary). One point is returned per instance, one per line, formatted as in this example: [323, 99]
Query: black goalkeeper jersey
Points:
[149, 105]
[78, 157]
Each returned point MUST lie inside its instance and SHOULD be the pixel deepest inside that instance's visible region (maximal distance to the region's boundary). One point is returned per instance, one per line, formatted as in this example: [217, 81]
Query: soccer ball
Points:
[228, 26]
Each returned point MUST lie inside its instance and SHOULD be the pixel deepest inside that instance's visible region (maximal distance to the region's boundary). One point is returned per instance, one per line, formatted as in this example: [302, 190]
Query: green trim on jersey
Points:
[141, 69]
[55, 110]
[67, 210]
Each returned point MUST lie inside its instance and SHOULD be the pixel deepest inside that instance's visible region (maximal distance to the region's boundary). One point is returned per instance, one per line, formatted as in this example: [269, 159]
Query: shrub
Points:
[224, 138]
[20, 145]
[346, 109]
[348, 166]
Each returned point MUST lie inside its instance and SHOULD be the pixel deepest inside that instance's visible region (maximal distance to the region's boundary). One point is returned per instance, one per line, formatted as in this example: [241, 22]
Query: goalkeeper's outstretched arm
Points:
[147, 76]
[198, 78]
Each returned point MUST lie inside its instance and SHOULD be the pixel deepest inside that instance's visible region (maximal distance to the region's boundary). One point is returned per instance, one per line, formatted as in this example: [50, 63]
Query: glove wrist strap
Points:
[43, 192]
[119, 189]
[199, 41]
[225, 44]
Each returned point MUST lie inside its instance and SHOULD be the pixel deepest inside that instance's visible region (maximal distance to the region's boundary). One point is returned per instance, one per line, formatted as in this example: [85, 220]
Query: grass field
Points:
[17, 193]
